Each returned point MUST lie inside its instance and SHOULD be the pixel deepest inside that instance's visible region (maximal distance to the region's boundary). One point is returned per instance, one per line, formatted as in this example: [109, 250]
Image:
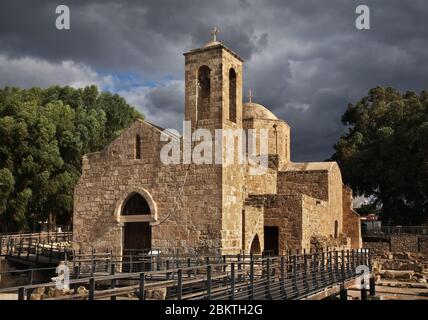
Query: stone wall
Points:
[314, 219]
[351, 220]
[335, 204]
[312, 183]
[285, 212]
[110, 176]
[404, 243]
[399, 243]
[423, 244]
[377, 247]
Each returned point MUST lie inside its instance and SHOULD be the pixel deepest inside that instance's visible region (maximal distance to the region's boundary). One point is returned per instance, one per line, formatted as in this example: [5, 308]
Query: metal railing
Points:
[42, 247]
[395, 230]
[218, 277]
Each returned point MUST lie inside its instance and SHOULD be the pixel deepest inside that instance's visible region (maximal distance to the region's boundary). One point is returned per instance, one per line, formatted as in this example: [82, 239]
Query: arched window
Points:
[255, 245]
[232, 95]
[137, 147]
[136, 205]
[336, 229]
[204, 92]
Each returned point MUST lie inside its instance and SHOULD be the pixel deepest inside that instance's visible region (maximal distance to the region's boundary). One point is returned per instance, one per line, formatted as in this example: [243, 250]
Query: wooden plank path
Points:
[314, 275]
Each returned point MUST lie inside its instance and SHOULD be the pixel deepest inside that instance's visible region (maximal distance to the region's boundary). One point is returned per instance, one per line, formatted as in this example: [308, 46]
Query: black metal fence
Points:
[40, 247]
[233, 277]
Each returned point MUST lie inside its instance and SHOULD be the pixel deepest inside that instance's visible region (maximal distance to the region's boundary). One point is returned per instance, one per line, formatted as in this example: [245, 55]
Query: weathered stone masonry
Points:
[210, 208]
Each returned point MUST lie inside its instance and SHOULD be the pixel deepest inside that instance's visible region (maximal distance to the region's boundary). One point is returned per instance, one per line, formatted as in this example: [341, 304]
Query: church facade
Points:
[128, 199]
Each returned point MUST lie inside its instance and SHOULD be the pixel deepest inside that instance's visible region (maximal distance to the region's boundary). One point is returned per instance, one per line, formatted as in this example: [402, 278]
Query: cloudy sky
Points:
[304, 59]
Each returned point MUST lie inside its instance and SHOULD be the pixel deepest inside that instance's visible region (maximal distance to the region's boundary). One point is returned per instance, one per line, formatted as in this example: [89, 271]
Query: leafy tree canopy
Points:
[384, 154]
[43, 135]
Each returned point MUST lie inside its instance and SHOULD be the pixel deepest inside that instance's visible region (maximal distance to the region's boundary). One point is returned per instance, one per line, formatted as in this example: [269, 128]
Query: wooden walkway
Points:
[314, 275]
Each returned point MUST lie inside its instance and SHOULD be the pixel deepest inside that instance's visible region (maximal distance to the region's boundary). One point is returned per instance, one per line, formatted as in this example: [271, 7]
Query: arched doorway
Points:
[255, 245]
[137, 235]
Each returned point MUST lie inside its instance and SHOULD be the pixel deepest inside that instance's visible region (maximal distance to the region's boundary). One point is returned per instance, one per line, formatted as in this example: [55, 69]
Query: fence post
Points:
[51, 252]
[37, 251]
[343, 293]
[93, 263]
[20, 248]
[29, 248]
[315, 268]
[179, 284]
[239, 268]
[305, 271]
[113, 281]
[28, 293]
[372, 286]
[188, 271]
[342, 265]
[21, 293]
[363, 291]
[31, 276]
[209, 282]
[141, 296]
[336, 265]
[323, 266]
[267, 283]
[282, 282]
[232, 281]
[295, 275]
[251, 291]
[167, 268]
[348, 258]
[7, 246]
[91, 289]
[369, 259]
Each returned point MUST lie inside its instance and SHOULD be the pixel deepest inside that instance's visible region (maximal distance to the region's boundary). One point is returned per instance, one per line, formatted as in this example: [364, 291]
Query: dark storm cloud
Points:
[305, 59]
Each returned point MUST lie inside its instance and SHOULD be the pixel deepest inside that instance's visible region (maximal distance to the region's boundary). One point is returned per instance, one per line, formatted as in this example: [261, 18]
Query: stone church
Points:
[127, 199]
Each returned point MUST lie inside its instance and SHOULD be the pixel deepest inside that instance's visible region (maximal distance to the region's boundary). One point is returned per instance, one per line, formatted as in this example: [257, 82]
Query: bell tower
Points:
[213, 86]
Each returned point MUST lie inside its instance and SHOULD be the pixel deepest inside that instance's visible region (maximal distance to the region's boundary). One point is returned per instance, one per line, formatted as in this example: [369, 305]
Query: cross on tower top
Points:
[250, 96]
[214, 32]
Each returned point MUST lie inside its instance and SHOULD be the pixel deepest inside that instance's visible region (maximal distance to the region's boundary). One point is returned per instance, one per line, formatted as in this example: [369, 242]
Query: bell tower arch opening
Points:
[204, 92]
[232, 95]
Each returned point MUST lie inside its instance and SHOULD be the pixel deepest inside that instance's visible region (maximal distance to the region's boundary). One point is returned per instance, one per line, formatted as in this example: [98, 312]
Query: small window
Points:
[137, 147]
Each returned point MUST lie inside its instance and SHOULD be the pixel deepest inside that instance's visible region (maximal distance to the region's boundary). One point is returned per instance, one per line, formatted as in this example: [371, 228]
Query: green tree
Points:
[44, 134]
[384, 154]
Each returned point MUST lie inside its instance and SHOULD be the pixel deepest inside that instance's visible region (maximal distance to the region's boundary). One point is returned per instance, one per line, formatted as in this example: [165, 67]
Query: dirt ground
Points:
[395, 290]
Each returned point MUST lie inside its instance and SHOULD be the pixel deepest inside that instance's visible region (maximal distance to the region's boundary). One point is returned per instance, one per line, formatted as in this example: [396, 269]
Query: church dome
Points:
[257, 111]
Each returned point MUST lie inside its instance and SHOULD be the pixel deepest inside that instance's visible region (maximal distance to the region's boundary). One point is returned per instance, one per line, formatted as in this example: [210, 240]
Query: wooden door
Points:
[138, 236]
